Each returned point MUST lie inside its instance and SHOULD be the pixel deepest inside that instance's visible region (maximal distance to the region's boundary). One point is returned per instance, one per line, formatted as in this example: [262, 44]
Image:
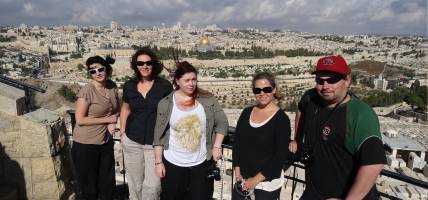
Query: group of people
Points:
[172, 134]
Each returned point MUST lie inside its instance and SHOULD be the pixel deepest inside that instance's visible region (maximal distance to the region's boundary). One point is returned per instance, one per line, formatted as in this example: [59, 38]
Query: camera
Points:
[306, 159]
[213, 172]
[238, 188]
[107, 137]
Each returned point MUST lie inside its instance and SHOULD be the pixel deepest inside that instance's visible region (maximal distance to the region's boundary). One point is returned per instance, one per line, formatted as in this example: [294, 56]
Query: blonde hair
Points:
[272, 81]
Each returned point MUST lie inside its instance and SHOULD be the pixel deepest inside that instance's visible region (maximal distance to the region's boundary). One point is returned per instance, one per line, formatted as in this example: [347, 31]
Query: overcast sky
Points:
[322, 16]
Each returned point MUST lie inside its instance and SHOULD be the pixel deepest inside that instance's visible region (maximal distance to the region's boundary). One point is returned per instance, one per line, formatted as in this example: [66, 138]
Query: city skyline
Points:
[392, 17]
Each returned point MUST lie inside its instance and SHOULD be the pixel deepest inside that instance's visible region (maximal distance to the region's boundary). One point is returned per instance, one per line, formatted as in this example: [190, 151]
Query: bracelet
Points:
[158, 163]
[218, 147]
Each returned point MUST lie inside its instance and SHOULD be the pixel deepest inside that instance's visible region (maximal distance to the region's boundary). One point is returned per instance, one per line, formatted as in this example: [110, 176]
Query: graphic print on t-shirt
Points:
[188, 133]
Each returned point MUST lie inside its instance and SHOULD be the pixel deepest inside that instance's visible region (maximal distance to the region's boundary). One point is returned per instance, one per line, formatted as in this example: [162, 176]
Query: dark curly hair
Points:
[156, 68]
[107, 62]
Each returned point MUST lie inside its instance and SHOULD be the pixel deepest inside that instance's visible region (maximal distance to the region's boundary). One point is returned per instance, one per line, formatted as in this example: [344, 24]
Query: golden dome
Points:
[204, 41]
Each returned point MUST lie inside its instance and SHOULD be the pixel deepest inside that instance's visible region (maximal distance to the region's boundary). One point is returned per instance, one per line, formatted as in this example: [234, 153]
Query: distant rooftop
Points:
[402, 143]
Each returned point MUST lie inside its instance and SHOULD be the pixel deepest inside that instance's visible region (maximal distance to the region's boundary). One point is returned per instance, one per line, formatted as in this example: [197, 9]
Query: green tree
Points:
[76, 55]
[67, 93]
[414, 100]
[80, 67]
[409, 73]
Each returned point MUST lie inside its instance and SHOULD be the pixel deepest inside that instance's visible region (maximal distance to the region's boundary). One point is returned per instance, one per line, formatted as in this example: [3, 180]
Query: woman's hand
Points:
[238, 175]
[216, 153]
[292, 146]
[250, 184]
[112, 119]
[160, 170]
[111, 128]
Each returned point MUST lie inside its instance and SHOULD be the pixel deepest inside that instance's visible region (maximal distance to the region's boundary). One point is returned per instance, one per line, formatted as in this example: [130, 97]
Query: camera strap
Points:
[243, 193]
[316, 117]
[221, 176]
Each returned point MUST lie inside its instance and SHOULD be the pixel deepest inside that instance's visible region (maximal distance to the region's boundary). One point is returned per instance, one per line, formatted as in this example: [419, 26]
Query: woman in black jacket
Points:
[261, 140]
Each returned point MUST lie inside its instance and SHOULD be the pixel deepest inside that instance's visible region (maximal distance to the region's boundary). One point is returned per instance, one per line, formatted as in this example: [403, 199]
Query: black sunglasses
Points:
[99, 70]
[265, 90]
[331, 80]
[148, 63]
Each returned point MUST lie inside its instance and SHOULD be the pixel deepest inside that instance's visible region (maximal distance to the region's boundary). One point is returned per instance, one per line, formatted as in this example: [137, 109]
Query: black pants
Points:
[186, 183]
[259, 195]
[94, 165]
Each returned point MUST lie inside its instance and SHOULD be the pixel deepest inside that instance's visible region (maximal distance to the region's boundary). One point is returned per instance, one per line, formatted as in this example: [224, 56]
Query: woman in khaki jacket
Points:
[190, 128]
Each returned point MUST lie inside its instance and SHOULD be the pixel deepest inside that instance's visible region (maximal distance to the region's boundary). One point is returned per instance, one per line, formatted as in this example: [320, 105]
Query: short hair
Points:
[107, 62]
[156, 68]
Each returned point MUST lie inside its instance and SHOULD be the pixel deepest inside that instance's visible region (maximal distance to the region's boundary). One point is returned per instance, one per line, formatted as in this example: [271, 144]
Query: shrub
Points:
[67, 93]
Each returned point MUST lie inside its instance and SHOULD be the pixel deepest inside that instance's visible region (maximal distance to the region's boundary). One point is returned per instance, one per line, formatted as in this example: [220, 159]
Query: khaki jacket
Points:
[216, 120]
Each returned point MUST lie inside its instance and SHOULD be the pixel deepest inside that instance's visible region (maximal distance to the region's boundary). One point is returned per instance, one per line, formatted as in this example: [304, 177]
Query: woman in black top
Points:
[137, 121]
[261, 139]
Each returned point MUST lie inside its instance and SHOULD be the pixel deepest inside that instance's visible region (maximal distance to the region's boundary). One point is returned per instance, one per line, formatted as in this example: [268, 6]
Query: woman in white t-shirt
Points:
[189, 131]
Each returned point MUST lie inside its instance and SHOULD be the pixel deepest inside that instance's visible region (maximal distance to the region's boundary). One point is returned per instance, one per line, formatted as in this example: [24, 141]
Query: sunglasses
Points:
[148, 63]
[99, 70]
[331, 80]
[265, 90]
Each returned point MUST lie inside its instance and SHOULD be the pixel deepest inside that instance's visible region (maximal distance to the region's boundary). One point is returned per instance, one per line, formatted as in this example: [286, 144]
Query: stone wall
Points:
[12, 100]
[34, 156]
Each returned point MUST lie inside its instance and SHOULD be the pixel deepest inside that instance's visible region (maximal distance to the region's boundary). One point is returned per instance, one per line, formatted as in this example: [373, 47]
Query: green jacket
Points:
[216, 121]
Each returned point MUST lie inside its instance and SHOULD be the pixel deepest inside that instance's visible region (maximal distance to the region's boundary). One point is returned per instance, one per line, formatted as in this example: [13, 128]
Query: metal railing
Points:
[228, 144]
[390, 174]
[24, 86]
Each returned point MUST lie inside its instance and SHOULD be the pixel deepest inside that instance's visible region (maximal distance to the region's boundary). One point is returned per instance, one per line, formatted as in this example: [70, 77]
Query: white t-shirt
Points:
[272, 185]
[187, 141]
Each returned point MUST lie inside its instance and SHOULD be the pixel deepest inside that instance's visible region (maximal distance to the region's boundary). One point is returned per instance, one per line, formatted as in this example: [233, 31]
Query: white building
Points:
[113, 25]
[380, 83]
[416, 161]
[403, 148]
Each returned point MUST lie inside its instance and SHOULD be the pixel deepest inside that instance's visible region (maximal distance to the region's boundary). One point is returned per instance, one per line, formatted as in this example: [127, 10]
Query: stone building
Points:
[34, 154]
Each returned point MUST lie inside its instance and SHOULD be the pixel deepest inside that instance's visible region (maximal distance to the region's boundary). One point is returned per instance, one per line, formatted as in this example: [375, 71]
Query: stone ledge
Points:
[12, 106]
[11, 92]
[12, 99]
[43, 116]
[37, 161]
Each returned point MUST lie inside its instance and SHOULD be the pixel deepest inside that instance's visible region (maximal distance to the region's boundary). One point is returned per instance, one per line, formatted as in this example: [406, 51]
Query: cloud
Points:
[329, 16]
